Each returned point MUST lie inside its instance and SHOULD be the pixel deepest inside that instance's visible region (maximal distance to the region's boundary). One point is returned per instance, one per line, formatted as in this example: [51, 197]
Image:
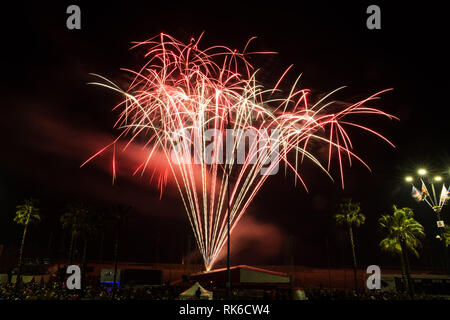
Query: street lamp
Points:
[422, 172]
[433, 201]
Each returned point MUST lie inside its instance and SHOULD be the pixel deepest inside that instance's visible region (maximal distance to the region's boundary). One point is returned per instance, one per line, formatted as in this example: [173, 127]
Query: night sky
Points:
[52, 121]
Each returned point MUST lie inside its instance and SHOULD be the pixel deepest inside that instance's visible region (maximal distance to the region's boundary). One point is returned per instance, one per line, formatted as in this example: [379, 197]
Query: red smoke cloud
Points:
[263, 240]
[80, 144]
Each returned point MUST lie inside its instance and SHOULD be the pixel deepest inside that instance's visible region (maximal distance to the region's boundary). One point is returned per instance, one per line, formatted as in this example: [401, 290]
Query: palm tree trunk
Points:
[49, 246]
[22, 245]
[355, 267]
[116, 258]
[100, 254]
[75, 252]
[407, 270]
[83, 265]
[404, 279]
[72, 239]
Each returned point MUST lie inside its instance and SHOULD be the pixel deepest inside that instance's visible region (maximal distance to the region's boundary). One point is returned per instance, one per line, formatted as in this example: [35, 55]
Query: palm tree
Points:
[26, 214]
[118, 217]
[90, 226]
[83, 223]
[350, 216]
[103, 223]
[73, 220]
[445, 236]
[403, 234]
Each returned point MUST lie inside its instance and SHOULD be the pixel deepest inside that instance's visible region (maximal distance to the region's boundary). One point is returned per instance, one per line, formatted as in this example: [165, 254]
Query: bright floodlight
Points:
[422, 172]
[409, 179]
[438, 178]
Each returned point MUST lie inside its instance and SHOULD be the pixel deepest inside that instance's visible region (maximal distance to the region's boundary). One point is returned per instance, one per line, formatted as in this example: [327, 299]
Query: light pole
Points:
[433, 201]
[228, 284]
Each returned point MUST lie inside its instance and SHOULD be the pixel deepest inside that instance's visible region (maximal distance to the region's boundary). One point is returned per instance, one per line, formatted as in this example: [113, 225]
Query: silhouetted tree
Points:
[83, 223]
[403, 234]
[350, 217]
[26, 214]
[118, 216]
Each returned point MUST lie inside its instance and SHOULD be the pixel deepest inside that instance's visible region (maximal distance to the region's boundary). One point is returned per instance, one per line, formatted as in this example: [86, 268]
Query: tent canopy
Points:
[191, 292]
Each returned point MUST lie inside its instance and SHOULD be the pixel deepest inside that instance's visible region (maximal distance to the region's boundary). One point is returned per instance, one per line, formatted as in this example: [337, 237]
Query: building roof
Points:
[243, 274]
[281, 274]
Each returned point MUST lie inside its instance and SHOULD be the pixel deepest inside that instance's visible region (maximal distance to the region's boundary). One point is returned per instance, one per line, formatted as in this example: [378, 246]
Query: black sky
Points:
[45, 68]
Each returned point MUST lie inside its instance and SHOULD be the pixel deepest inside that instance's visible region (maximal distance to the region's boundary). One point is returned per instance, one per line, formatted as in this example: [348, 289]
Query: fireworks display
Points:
[183, 92]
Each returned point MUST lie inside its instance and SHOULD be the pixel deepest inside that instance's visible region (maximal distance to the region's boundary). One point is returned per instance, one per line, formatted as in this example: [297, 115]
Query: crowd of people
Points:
[54, 291]
[377, 295]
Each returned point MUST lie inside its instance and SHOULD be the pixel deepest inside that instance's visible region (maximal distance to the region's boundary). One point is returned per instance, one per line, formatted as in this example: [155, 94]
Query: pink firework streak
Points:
[183, 87]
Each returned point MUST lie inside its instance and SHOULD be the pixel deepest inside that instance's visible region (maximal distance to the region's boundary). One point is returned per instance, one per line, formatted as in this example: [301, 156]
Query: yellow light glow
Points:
[422, 172]
[438, 178]
[409, 179]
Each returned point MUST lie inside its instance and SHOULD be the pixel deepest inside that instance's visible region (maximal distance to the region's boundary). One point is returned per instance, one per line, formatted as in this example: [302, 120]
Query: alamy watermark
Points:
[374, 279]
[74, 20]
[74, 280]
[374, 20]
[234, 146]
